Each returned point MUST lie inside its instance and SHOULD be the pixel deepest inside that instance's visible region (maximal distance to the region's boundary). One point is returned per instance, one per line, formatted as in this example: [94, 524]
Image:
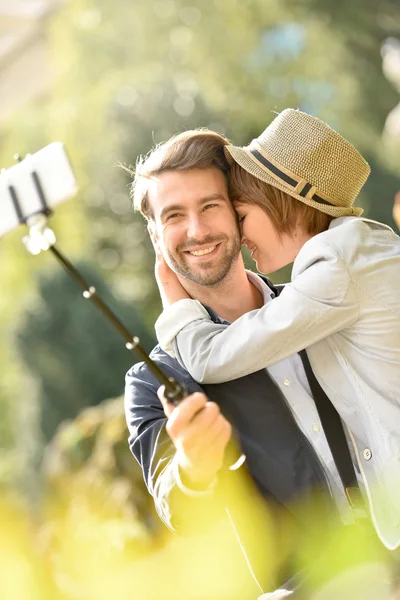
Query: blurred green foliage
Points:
[80, 357]
[100, 533]
[91, 453]
[128, 75]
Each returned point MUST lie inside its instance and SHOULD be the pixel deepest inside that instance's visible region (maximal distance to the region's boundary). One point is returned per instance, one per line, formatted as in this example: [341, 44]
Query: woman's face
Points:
[270, 250]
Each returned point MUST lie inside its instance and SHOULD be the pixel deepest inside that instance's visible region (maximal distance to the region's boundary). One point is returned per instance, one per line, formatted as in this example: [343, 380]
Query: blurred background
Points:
[110, 79]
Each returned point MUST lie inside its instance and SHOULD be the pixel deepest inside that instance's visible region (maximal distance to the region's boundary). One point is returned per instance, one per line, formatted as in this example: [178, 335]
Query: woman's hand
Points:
[168, 283]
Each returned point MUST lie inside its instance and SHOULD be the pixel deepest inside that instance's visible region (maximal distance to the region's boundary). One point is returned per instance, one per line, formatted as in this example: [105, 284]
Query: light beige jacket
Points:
[343, 306]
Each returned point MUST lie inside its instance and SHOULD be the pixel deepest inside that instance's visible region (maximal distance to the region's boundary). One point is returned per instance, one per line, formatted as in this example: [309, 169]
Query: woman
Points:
[294, 189]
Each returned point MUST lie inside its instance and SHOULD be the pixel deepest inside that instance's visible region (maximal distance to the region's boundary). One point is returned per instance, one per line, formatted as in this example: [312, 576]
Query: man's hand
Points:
[200, 434]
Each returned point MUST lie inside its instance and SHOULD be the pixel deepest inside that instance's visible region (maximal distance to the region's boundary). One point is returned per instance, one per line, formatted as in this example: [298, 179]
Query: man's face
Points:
[195, 224]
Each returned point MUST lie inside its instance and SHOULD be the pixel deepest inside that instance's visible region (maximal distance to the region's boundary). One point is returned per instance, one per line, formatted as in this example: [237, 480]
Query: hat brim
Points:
[245, 159]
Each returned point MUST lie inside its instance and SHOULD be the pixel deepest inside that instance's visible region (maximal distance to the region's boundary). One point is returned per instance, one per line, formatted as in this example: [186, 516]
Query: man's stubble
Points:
[210, 273]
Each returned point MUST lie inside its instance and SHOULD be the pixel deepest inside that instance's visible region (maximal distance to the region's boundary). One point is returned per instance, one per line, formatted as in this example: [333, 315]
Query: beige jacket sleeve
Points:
[320, 300]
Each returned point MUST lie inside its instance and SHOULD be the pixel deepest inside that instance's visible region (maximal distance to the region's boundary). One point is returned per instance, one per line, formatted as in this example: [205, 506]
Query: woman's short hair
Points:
[194, 149]
[284, 211]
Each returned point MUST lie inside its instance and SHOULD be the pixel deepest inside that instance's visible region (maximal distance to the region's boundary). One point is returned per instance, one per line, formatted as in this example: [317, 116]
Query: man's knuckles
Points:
[222, 431]
[212, 407]
[208, 415]
[197, 415]
[191, 405]
[226, 431]
[182, 414]
[207, 432]
[209, 437]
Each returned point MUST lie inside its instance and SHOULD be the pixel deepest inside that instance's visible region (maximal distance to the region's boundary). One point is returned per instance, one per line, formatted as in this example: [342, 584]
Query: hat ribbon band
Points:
[276, 172]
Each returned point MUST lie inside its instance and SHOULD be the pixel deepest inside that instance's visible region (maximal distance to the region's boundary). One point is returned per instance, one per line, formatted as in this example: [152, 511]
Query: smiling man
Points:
[187, 229]
[195, 224]
[182, 190]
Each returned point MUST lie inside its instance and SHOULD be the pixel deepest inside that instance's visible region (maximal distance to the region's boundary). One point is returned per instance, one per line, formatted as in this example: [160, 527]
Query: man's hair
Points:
[194, 149]
[284, 211]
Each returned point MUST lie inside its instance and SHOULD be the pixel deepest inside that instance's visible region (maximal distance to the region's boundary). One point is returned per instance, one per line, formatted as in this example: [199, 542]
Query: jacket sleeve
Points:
[320, 301]
[182, 510]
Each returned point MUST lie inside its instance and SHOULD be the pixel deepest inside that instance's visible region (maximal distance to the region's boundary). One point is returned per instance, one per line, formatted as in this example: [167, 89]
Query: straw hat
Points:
[304, 157]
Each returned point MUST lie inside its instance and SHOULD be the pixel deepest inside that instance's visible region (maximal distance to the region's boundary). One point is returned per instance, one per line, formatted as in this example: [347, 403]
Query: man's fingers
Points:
[209, 434]
[197, 426]
[182, 414]
[208, 425]
[203, 419]
[168, 408]
[200, 434]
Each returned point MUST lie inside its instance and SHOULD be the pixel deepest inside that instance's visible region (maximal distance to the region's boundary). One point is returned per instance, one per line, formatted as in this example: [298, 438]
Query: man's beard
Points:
[208, 273]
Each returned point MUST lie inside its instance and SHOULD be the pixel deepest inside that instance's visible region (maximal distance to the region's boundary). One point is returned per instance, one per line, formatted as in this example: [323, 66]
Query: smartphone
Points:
[20, 197]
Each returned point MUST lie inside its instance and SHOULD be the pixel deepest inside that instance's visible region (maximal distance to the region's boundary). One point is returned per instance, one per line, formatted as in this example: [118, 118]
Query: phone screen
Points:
[19, 198]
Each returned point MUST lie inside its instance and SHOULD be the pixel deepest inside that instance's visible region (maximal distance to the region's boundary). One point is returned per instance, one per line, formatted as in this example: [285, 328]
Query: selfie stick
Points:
[41, 238]
[174, 391]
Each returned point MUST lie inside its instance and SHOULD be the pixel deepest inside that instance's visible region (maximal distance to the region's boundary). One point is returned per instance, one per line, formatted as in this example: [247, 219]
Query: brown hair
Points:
[194, 149]
[284, 211]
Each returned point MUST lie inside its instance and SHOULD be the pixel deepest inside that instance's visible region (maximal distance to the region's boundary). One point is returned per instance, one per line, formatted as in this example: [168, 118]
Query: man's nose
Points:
[198, 227]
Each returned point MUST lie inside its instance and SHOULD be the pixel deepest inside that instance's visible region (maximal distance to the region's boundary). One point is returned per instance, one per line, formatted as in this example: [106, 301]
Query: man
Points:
[182, 191]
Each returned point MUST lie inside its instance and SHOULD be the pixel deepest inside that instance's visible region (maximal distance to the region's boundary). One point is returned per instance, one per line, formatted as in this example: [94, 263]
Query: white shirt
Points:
[291, 378]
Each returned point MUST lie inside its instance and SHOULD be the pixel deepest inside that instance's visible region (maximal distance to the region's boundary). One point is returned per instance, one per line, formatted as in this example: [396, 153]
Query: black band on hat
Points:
[273, 168]
[286, 178]
[317, 198]
[305, 189]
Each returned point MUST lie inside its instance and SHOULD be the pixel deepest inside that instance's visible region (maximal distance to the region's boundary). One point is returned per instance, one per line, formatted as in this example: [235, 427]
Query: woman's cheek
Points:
[245, 229]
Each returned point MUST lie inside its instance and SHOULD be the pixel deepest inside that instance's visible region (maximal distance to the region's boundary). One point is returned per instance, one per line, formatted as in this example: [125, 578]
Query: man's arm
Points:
[180, 473]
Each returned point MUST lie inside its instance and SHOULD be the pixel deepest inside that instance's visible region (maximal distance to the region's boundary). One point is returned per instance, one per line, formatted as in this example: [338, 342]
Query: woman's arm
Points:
[319, 302]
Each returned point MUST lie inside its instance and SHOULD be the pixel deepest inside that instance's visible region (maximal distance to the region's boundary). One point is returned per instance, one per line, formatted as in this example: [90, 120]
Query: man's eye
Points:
[207, 206]
[173, 216]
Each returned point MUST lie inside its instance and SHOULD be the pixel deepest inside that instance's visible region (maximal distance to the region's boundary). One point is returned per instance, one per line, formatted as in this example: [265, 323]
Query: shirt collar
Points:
[259, 283]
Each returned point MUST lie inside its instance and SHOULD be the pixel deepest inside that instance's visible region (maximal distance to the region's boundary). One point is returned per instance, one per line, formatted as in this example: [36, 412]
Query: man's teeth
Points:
[202, 252]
